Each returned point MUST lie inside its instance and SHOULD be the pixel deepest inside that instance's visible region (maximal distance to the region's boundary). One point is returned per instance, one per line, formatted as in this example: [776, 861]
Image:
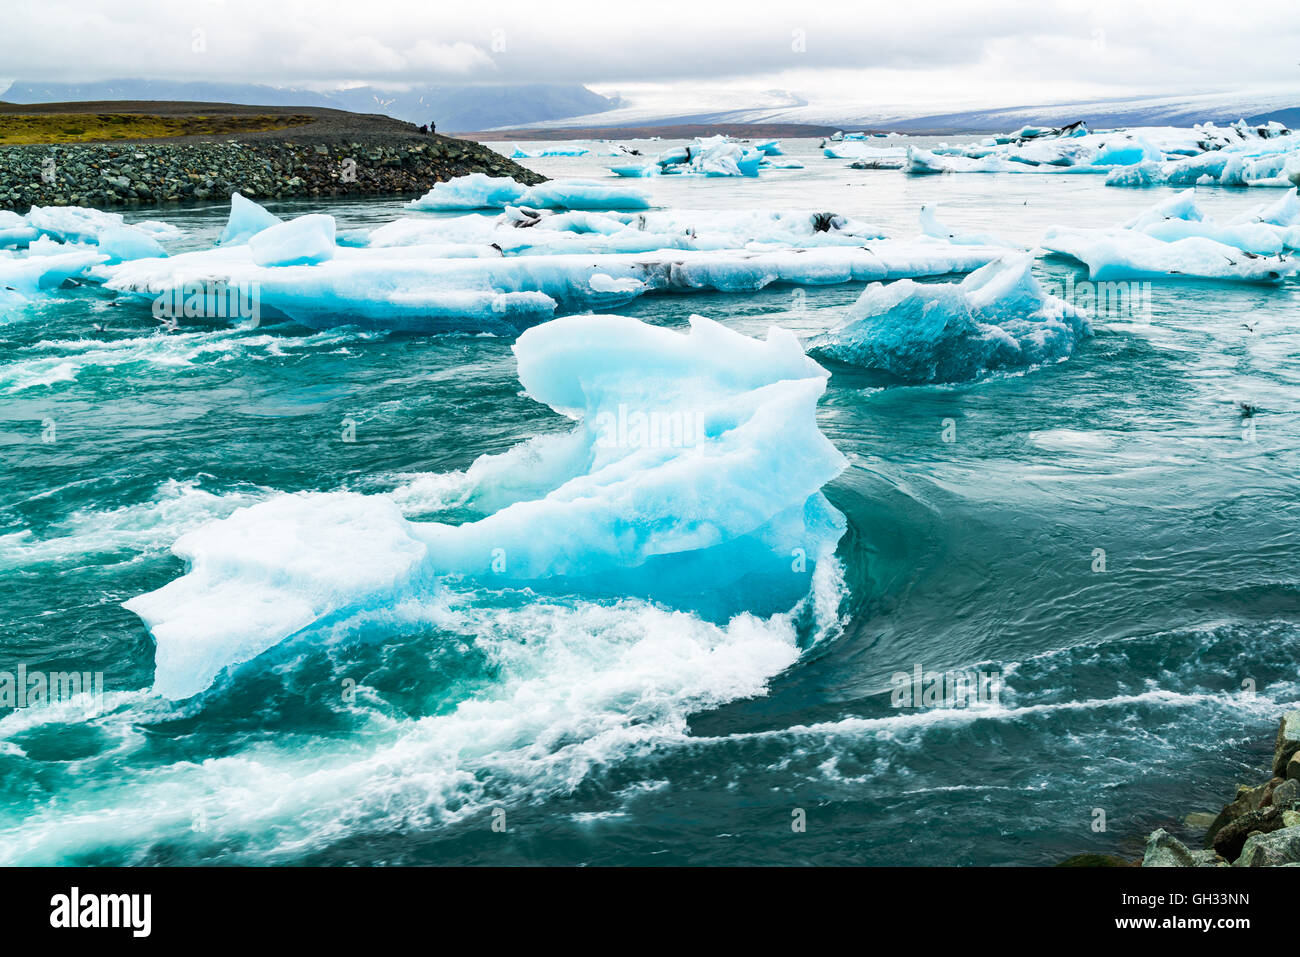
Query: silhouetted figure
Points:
[423, 129]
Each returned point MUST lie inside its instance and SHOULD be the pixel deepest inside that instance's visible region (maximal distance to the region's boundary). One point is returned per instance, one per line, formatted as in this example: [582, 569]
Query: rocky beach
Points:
[332, 154]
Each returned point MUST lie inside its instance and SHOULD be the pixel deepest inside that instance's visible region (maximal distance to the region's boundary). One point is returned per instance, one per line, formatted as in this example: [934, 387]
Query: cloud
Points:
[829, 47]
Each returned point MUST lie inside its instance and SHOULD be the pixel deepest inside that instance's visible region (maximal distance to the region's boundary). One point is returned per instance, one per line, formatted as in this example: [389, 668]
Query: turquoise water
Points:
[974, 513]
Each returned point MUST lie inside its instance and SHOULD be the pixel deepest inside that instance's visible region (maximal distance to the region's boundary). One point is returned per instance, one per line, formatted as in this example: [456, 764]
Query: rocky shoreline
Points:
[103, 175]
[1260, 827]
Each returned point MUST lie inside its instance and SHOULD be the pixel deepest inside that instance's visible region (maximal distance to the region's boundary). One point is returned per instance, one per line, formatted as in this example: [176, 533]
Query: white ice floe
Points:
[419, 288]
[713, 156]
[523, 231]
[480, 191]
[1174, 239]
[999, 317]
[28, 276]
[307, 240]
[695, 461]
[50, 229]
[1241, 155]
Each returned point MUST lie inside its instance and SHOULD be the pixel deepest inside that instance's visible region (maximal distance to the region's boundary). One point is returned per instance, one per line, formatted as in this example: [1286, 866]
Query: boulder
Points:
[1248, 799]
[1293, 768]
[1165, 850]
[1274, 849]
[1288, 742]
[1286, 795]
[1232, 837]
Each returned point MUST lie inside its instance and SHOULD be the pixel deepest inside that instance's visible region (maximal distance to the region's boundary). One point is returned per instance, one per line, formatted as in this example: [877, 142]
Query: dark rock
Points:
[1288, 742]
[1232, 837]
[1165, 850]
[1286, 795]
[1274, 849]
[1248, 799]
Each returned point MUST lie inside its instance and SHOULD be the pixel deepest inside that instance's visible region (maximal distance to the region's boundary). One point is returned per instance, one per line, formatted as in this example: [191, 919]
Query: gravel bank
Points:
[103, 175]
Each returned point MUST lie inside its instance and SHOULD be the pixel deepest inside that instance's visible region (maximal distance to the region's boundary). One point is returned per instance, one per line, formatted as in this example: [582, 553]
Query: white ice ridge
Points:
[440, 287]
[480, 191]
[1174, 239]
[712, 156]
[1241, 155]
[998, 317]
[74, 225]
[695, 462]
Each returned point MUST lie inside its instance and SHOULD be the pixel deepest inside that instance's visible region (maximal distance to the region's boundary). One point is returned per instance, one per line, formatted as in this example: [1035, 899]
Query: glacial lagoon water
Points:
[1109, 535]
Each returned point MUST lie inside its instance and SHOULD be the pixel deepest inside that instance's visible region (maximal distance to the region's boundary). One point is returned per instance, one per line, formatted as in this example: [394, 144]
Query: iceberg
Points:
[694, 463]
[1174, 238]
[520, 153]
[26, 277]
[997, 318]
[579, 194]
[522, 231]
[480, 191]
[121, 243]
[930, 226]
[246, 220]
[15, 230]
[713, 156]
[418, 288]
[475, 191]
[307, 240]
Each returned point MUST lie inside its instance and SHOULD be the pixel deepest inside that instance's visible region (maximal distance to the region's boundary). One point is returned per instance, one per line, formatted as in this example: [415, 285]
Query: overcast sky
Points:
[990, 52]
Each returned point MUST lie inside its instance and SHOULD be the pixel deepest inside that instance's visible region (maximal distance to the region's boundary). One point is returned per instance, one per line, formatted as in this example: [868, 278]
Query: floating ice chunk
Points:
[930, 226]
[72, 224]
[479, 191]
[549, 151]
[475, 191]
[418, 288]
[246, 220]
[28, 276]
[264, 573]
[128, 242]
[15, 230]
[579, 194]
[1283, 212]
[157, 229]
[1172, 221]
[636, 170]
[998, 317]
[1181, 206]
[307, 240]
[1131, 255]
[695, 463]
[1138, 176]
[602, 283]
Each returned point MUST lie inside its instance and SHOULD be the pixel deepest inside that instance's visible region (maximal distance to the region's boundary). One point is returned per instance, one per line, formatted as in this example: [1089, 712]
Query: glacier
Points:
[675, 515]
[997, 318]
